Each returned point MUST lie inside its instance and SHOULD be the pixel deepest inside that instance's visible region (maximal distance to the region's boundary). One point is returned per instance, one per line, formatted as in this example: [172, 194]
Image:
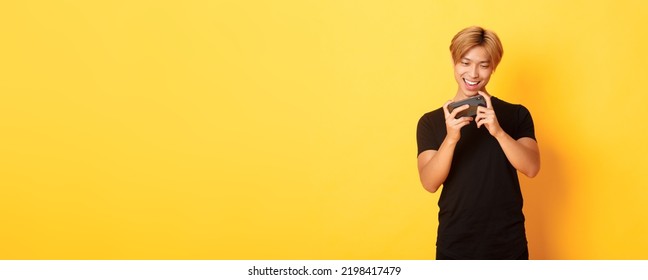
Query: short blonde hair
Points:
[473, 36]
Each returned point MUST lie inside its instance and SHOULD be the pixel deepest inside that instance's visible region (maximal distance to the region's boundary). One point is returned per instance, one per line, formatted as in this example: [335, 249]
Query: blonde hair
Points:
[474, 36]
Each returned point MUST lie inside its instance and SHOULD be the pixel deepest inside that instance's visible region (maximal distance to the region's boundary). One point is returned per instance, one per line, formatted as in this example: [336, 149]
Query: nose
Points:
[474, 72]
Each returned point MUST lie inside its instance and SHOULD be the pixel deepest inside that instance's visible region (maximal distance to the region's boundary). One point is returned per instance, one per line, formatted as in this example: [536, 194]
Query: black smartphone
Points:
[473, 102]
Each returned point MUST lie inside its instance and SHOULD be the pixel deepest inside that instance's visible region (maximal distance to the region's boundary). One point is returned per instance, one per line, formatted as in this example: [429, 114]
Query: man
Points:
[477, 158]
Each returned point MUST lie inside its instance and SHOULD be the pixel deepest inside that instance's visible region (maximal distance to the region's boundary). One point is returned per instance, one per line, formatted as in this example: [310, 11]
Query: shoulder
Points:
[502, 106]
[433, 115]
[433, 118]
[430, 130]
[514, 118]
[502, 103]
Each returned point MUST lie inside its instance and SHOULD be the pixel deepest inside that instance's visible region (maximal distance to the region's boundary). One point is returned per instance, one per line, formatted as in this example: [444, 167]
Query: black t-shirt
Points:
[480, 206]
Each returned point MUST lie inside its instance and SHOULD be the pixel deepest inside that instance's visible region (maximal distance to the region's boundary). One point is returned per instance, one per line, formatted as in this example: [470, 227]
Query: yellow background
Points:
[286, 129]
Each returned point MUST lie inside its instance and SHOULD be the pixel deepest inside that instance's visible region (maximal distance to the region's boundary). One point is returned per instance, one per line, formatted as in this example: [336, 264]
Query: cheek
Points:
[486, 74]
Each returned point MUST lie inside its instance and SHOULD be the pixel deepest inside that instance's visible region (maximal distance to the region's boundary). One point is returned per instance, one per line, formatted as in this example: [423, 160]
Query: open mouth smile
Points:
[471, 83]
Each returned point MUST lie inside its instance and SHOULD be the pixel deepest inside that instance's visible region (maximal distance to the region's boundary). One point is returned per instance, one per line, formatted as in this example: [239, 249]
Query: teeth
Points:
[471, 83]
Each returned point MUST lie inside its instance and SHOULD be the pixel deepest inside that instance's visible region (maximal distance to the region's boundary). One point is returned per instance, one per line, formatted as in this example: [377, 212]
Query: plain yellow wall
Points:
[286, 129]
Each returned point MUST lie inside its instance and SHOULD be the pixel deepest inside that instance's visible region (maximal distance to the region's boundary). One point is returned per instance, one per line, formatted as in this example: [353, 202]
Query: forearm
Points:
[523, 155]
[435, 172]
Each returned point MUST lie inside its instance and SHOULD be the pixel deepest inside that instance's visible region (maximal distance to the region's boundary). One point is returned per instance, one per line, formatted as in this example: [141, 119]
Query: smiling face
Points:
[472, 72]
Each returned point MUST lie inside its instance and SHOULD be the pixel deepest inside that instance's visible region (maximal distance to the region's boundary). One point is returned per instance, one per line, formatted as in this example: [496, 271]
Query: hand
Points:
[486, 116]
[453, 126]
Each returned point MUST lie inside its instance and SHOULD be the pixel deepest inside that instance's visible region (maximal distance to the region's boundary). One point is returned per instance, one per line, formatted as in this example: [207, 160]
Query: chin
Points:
[469, 93]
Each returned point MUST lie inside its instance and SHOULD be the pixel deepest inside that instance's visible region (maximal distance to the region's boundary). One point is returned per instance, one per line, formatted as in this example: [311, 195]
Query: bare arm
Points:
[523, 153]
[434, 165]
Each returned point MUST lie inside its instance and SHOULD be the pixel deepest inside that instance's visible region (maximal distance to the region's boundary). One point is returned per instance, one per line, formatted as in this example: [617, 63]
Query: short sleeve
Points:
[525, 127]
[425, 135]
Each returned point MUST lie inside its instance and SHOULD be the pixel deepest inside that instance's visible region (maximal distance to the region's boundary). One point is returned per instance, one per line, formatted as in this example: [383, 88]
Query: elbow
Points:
[534, 169]
[430, 187]
[532, 172]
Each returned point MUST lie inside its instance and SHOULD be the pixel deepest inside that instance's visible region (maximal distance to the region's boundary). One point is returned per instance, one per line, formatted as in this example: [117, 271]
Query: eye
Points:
[463, 63]
[485, 66]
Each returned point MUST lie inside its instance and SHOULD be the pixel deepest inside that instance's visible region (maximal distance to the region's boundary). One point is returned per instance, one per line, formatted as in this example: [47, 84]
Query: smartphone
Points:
[473, 102]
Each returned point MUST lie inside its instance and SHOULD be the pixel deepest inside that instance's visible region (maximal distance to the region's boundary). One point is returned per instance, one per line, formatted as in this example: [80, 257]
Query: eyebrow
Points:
[480, 62]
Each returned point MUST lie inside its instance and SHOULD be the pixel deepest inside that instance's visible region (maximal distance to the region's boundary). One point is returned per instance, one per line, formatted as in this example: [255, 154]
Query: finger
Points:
[445, 108]
[482, 117]
[483, 110]
[466, 119]
[485, 121]
[482, 113]
[459, 110]
[460, 122]
[453, 122]
[481, 122]
[487, 98]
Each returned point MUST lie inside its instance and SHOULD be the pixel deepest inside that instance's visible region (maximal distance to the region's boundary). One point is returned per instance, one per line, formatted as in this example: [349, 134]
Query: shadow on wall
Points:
[545, 196]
